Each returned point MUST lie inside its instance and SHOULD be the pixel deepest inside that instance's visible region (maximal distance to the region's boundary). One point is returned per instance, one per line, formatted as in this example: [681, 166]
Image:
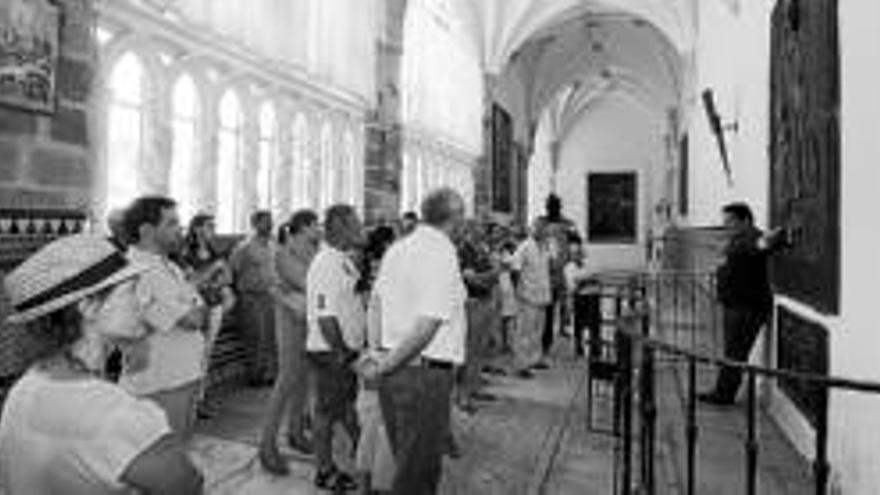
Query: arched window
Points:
[268, 158]
[185, 111]
[125, 129]
[325, 174]
[406, 189]
[421, 179]
[229, 162]
[348, 173]
[300, 176]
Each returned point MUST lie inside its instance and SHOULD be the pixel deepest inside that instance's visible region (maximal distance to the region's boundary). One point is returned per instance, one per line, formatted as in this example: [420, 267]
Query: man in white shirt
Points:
[421, 298]
[172, 313]
[336, 333]
[531, 277]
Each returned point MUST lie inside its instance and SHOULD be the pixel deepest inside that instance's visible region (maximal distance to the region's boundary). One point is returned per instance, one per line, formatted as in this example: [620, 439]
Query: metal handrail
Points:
[829, 381]
[635, 393]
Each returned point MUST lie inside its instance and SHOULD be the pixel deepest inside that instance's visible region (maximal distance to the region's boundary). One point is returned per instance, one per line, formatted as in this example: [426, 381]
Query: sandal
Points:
[335, 480]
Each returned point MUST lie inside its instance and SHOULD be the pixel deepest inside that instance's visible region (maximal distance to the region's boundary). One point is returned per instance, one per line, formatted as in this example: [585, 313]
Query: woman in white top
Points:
[64, 429]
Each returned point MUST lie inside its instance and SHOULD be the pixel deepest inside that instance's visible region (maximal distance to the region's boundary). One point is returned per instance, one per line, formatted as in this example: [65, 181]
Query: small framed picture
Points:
[29, 37]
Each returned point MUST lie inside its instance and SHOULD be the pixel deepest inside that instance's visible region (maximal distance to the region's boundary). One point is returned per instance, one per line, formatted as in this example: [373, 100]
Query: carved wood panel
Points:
[502, 159]
[805, 149]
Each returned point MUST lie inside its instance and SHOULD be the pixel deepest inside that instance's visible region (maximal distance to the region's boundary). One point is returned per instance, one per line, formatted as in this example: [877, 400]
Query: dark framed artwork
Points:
[502, 156]
[803, 347]
[612, 208]
[805, 150]
[29, 37]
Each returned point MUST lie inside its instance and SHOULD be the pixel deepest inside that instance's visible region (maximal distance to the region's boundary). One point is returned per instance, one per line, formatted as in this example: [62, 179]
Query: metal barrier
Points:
[636, 352]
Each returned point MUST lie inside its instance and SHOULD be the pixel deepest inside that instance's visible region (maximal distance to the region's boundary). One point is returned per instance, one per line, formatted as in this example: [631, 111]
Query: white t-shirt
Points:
[330, 292]
[420, 277]
[73, 437]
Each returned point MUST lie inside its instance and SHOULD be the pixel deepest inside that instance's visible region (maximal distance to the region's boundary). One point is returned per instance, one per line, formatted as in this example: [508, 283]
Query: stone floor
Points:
[531, 440]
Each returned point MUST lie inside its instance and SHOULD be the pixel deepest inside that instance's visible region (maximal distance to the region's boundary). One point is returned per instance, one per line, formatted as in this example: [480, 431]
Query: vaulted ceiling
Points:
[500, 27]
[570, 54]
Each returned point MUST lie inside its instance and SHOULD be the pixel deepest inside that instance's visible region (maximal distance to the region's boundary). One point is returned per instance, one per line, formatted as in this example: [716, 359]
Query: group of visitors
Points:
[340, 321]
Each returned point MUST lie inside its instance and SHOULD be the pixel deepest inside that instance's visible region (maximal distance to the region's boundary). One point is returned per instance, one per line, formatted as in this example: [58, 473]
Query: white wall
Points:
[738, 74]
[856, 418]
[616, 135]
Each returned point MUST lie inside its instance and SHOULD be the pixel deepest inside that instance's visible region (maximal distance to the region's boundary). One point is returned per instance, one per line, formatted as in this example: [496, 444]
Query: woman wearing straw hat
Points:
[64, 428]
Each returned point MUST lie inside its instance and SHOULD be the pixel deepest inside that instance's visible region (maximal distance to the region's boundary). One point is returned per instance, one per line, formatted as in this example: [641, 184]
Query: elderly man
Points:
[531, 277]
[421, 299]
[336, 334]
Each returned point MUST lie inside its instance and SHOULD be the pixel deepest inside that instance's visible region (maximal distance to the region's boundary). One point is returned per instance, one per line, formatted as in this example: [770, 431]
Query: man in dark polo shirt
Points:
[744, 292]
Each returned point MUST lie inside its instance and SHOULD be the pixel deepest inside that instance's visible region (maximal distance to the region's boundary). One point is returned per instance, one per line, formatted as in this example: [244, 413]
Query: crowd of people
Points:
[382, 331]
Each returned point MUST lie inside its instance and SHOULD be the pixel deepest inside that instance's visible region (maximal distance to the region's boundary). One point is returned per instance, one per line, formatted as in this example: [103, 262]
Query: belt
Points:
[426, 362]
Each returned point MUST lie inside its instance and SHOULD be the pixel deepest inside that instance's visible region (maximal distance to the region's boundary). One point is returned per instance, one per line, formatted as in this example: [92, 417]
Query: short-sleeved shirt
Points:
[420, 277]
[574, 274]
[73, 437]
[331, 292]
[253, 266]
[532, 261]
[174, 353]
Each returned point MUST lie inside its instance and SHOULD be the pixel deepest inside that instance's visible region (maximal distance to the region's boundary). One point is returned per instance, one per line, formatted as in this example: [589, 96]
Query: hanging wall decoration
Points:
[28, 53]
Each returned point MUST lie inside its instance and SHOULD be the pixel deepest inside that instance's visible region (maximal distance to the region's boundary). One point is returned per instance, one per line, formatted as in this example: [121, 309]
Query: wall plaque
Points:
[805, 150]
[803, 347]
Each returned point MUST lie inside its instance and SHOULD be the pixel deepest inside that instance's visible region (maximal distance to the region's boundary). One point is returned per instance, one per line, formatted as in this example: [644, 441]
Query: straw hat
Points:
[63, 272]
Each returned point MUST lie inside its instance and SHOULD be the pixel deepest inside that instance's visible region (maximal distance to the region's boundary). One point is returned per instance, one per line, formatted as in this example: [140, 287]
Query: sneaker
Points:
[334, 480]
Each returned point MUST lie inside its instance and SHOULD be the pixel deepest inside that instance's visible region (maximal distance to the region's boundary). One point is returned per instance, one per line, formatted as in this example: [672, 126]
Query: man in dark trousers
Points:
[744, 293]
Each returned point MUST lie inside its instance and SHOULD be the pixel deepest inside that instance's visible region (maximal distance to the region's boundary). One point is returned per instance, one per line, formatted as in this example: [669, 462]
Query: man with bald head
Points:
[420, 297]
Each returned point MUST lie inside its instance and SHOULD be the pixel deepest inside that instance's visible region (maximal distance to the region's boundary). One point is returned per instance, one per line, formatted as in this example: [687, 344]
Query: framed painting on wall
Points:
[28, 54]
[611, 208]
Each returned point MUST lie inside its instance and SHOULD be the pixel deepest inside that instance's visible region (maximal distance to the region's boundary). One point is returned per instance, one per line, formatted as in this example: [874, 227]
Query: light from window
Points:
[268, 158]
[125, 122]
[300, 196]
[324, 172]
[346, 175]
[421, 183]
[229, 162]
[406, 190]
[185, 105]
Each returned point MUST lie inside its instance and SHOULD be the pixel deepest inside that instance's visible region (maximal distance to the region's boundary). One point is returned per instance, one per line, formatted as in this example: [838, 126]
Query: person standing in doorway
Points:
[423, 339]
[253, 271]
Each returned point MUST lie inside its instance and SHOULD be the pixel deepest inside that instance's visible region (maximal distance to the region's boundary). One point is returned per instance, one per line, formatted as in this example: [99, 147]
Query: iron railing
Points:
[646, 332]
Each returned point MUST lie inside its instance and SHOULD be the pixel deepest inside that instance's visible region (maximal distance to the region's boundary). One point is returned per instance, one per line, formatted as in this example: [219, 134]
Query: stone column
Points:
[382, 138]
[47, 160]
